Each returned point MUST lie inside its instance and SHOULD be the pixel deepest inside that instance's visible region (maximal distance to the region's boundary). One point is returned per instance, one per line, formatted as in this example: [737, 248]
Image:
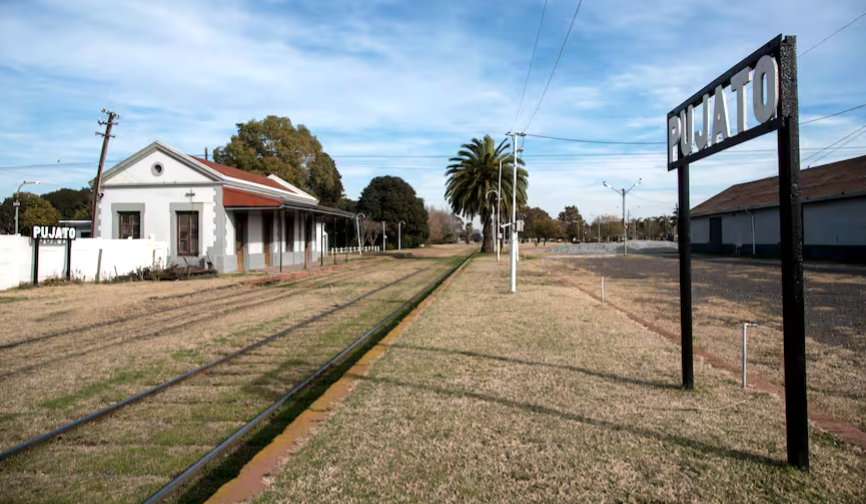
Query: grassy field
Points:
[725, 295]
[544, 396]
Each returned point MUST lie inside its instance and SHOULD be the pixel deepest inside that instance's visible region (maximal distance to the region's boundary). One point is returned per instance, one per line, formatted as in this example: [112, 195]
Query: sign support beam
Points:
[791, 219]
[685, 278]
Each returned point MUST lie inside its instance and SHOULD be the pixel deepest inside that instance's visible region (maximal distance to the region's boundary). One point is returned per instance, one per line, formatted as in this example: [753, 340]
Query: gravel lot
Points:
[544, 396]
[725, 294]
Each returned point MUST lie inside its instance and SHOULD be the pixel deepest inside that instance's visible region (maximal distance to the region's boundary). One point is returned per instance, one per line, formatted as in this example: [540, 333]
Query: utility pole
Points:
[624, 222]
[383, 236]
[105, 136]
[513, 248]
[358, 230]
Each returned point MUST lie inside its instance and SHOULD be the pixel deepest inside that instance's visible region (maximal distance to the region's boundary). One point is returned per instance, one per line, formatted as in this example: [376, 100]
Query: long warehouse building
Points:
[744, 219]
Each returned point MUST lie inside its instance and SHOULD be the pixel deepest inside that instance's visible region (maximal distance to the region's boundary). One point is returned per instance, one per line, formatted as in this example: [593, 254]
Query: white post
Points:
[499, 213]
[744, 354]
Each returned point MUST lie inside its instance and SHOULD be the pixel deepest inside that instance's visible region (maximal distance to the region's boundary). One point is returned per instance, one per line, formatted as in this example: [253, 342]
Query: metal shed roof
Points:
[837, 180]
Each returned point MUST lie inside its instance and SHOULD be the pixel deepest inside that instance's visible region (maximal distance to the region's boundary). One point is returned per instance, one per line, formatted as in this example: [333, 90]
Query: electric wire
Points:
[833, 144]
[832, 34]
[832, 115]
[555, 64]
[580, 140]
[529, 72]
[859, 131]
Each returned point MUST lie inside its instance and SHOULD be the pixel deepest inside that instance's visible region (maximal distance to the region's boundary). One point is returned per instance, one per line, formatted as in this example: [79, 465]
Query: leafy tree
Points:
[547, 228]
[532, 217]
[43, 214]
[474, 172]
[34, 211]
[275, 146]
[71, 203]
[392, 199]
[325, 181]
[572, 222]
[348, 205]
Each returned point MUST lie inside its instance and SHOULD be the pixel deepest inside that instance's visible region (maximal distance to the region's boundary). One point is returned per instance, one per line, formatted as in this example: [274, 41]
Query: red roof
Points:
[235, 198]
[228, 171]
[837, 180]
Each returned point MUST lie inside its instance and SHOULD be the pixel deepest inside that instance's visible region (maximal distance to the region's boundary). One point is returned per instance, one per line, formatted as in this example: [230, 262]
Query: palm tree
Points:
[473, 173]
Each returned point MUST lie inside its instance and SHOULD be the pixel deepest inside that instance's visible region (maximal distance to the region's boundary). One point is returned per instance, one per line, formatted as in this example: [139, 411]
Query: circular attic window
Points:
[157, 169]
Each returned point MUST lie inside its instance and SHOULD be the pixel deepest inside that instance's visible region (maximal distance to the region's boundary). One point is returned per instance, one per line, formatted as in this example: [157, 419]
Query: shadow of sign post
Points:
[772, 73]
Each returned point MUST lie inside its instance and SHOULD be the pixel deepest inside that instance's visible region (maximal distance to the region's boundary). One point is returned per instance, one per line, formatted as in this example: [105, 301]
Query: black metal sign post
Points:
[772, 70]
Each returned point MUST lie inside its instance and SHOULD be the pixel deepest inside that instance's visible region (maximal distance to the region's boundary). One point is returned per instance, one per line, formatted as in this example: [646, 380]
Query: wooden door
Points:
[267, 235]
[716, 235]
[240, 238]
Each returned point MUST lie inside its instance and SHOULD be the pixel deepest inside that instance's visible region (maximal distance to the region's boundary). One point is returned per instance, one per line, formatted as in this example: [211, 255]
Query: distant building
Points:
[82, 226]
[208, 212]
[745, 217]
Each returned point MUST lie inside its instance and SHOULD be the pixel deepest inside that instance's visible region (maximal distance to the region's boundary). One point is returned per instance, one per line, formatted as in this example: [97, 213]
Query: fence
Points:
[118, 257]
[349, 250]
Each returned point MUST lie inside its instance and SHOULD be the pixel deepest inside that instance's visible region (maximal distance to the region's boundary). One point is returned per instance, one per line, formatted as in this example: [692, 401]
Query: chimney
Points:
[205, 153]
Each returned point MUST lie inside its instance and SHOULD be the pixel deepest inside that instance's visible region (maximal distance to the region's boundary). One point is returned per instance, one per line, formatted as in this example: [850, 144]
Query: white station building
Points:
[211, 213]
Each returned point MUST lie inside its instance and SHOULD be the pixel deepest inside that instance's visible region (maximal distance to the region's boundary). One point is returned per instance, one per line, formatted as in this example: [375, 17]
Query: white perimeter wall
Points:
[119, 257]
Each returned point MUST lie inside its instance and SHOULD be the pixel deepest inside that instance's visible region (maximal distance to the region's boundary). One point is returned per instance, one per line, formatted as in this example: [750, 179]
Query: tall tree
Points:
[532, 217]
[34, 211]
[474, 172]
[392, 199]
[275, 146]
[71, 203]
[324, 180]
[572, 222]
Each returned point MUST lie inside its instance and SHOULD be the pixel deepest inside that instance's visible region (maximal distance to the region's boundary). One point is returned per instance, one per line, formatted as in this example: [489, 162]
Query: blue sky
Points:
[411, 78]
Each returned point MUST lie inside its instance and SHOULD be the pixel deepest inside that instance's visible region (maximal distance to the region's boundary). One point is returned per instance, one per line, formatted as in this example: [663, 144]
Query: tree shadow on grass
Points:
[683, 441]
[589, 372]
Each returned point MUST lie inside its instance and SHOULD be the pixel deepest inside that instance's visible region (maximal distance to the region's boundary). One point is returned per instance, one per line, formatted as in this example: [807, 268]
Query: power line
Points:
[529, 72]
[831, 35]
[555, 64]
[853, 135]
[833, 115]
[832, 144]
[610, 142]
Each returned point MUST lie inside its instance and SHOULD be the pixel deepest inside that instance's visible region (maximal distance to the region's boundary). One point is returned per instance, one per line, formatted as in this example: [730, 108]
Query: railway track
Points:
[43, 389]
[156, 441]
[159, 309]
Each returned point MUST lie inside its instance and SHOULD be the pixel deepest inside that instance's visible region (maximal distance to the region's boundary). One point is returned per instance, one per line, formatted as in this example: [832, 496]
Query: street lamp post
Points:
[17, 203]
[624, 228]
[499, 213]
[496, 244]
[400, 235]
[513, 248]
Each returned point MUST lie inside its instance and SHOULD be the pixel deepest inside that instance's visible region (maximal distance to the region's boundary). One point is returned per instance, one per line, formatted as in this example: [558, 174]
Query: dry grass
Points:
[142, 446]
[835, 345]
[46, 384]
[544, 396]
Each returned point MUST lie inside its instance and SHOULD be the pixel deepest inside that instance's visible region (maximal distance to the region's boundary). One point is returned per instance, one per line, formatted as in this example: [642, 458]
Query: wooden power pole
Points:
[105, 136]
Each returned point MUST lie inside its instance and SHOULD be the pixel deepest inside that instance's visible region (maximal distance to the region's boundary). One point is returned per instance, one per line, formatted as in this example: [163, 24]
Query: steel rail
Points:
[141, 395]
[13, 344]
[192, 470]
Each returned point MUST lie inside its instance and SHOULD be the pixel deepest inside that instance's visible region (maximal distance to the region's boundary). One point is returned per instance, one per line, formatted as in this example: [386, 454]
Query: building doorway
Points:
[716, 235]
[268, 235]
[240, 238]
